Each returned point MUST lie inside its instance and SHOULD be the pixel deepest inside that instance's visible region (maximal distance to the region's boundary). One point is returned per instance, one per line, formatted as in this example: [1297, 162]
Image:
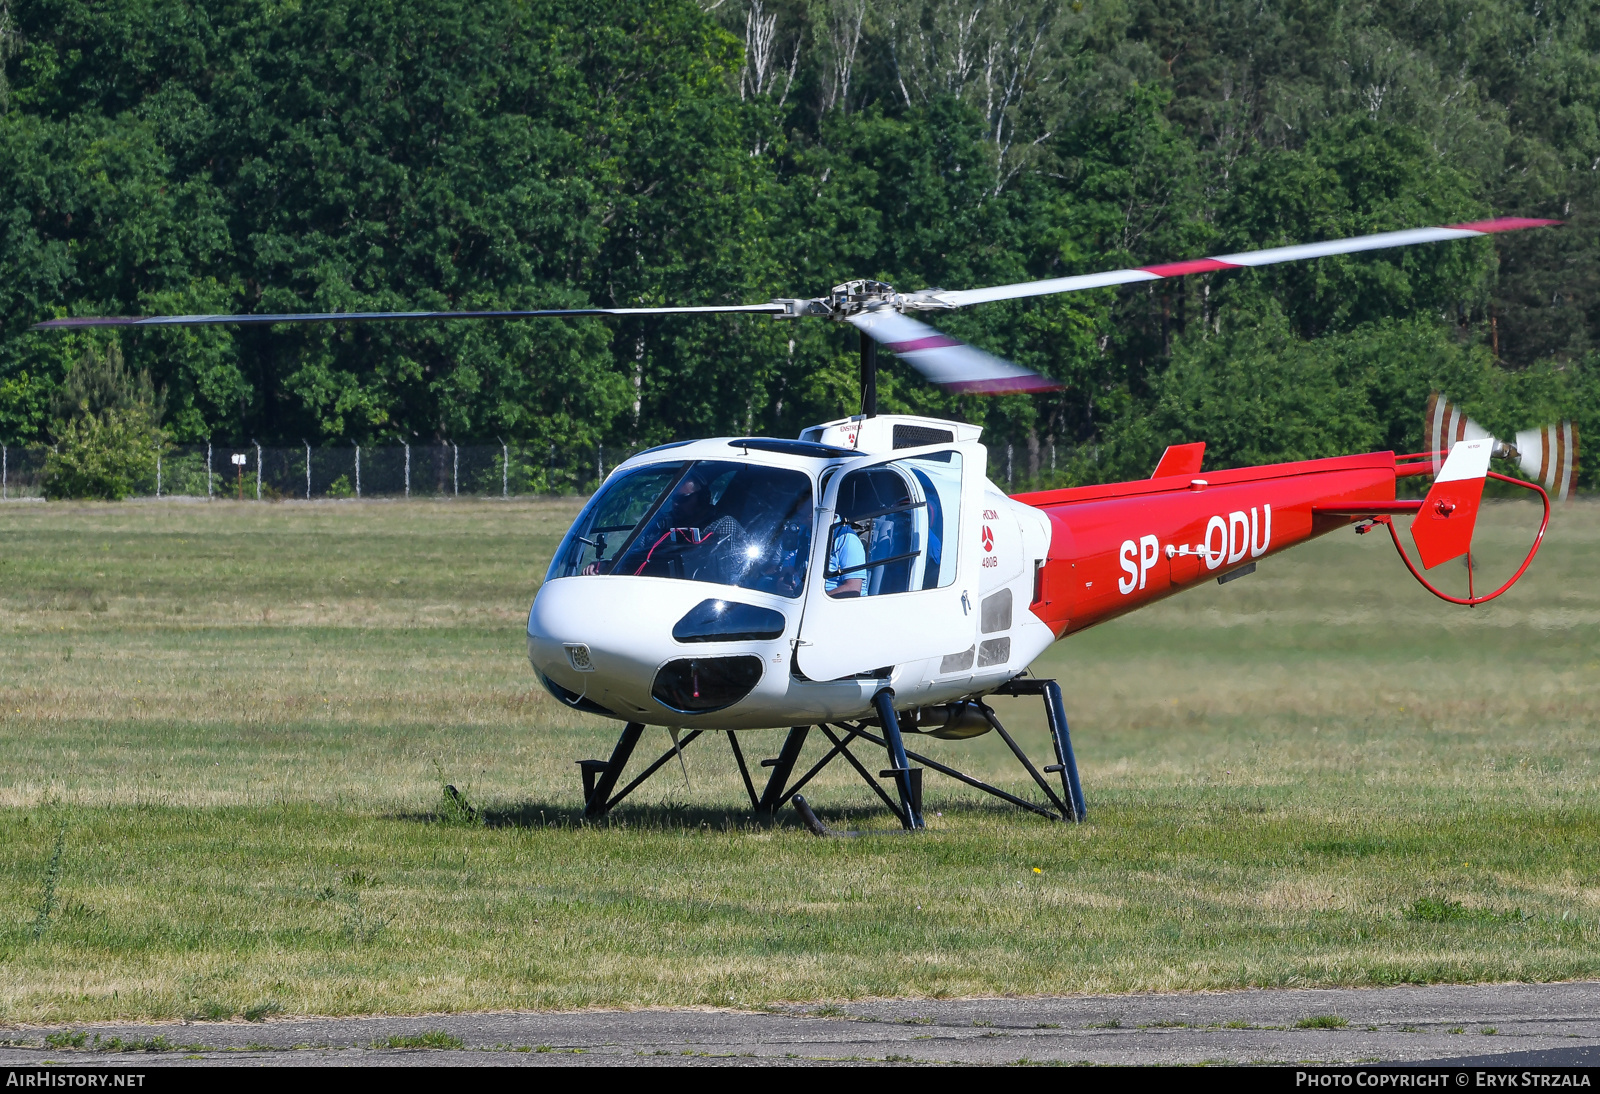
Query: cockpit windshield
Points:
[721, 522]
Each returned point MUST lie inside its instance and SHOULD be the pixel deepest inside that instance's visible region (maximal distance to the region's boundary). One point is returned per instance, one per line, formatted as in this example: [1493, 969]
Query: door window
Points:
[894, 528]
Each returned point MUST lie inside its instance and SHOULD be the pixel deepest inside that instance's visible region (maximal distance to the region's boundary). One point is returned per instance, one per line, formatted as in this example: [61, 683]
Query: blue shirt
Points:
[845, 552]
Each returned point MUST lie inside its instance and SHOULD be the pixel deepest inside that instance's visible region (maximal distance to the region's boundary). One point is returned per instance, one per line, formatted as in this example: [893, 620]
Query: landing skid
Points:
[600, 777]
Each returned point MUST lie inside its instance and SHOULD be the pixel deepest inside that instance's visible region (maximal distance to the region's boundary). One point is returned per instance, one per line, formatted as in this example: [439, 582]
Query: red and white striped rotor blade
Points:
[960, 298]
[1549, 456]
[1443, 425]
[948, 362]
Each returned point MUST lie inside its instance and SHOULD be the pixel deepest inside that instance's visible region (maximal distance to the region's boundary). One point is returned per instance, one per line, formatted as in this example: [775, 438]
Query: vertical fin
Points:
[1180, 459]
[1442, 528]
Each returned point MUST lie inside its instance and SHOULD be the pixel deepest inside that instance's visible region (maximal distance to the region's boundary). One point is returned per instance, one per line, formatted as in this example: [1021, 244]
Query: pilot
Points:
[844, 553]
[691, 508]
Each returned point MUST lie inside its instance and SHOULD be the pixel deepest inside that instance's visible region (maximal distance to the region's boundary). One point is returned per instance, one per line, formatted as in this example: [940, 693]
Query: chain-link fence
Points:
[262, 472]
[22, 472]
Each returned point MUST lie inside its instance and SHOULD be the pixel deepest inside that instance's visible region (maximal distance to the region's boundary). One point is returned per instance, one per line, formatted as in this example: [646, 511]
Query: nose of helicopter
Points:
[649, 649]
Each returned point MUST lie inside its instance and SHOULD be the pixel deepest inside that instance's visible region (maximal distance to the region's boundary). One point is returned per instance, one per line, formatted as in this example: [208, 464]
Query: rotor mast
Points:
[869, 376]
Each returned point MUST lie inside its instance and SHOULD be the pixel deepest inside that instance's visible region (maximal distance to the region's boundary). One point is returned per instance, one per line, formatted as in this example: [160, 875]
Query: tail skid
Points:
[1471, 600]
[1444, 521]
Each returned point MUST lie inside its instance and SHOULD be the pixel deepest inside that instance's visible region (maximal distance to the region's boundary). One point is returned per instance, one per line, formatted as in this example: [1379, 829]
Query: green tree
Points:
[107, 430]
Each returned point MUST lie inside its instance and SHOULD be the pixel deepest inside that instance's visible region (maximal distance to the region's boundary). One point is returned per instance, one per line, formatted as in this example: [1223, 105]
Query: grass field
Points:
[225, 727]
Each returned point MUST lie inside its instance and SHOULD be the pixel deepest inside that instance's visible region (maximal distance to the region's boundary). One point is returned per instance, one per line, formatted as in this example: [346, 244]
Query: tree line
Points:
[161, 156]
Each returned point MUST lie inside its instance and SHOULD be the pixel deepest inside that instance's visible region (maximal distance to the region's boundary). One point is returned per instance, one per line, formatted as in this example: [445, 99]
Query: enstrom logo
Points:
[988, 538]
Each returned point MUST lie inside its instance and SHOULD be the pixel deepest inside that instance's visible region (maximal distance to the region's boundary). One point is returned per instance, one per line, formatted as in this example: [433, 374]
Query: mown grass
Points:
[225, 730]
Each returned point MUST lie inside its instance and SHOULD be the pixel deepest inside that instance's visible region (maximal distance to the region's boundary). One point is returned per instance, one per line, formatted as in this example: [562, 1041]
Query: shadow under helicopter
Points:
[669, 816]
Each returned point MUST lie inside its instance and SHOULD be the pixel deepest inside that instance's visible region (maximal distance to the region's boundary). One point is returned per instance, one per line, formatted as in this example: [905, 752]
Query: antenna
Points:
[869, 377]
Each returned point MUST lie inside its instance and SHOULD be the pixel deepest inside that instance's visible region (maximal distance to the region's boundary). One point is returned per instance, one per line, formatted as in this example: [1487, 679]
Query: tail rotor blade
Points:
[948, 362]
[1549, 456]
[1443, 425]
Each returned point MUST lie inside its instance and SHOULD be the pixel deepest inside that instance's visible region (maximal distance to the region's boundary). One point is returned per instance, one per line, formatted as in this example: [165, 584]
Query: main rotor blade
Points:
[960, 298]
[948, 362]
[371, 316]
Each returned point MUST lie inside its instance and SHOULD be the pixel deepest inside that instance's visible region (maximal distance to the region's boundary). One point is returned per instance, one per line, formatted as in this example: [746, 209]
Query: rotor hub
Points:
[864, 295]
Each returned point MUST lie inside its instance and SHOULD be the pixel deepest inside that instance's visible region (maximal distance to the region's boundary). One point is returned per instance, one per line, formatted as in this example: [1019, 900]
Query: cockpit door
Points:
[906, 588]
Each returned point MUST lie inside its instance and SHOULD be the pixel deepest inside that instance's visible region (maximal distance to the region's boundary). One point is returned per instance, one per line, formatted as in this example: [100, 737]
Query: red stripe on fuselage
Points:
[1087, 574]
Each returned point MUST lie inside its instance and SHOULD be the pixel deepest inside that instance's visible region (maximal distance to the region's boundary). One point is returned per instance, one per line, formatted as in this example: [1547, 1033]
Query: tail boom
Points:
[1118, 547]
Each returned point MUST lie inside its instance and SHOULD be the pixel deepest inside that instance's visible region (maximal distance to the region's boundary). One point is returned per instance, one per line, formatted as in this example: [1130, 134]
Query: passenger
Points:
[845, 553]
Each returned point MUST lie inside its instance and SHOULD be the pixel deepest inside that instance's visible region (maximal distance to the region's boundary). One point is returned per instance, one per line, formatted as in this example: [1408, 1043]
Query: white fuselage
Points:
[955, 623]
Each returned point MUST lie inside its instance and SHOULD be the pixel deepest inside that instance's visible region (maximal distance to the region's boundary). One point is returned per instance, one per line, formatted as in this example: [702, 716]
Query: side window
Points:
[939, 476]
[894, 528]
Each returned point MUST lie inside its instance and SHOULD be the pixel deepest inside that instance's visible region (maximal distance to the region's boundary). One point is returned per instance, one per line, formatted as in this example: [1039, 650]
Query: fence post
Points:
[208, 470]
[258, 468]
[505, 471]
[599, 465]
[158, 470]
[455, 470]
[358, 472]
[408, 468]
[308, 468]
[4, 471]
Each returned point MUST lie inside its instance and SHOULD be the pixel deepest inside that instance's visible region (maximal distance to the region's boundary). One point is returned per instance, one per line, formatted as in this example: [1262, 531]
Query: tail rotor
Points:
[1547, 455]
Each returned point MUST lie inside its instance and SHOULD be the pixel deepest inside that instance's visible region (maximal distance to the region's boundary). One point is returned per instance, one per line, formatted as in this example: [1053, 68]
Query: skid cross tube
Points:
[744, 772]
[675, 750]
[976, 784]
[1055, 713]
[600, 777]
[866, 776]
[597, 799]
[910, 807]
[838, 747]
[772, 796]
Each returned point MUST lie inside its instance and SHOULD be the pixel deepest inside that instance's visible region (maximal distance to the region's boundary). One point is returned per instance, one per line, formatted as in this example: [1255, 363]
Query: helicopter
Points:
[869, 576]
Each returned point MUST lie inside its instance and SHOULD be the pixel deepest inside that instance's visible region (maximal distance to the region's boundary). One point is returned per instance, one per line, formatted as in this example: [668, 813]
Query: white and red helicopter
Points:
[869, 575]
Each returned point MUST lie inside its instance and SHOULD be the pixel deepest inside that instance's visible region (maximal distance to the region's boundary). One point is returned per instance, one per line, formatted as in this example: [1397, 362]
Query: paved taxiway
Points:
[1517, 1024]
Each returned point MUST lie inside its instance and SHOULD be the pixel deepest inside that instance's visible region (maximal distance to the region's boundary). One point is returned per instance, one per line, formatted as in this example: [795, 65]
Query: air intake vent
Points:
[915, 436]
